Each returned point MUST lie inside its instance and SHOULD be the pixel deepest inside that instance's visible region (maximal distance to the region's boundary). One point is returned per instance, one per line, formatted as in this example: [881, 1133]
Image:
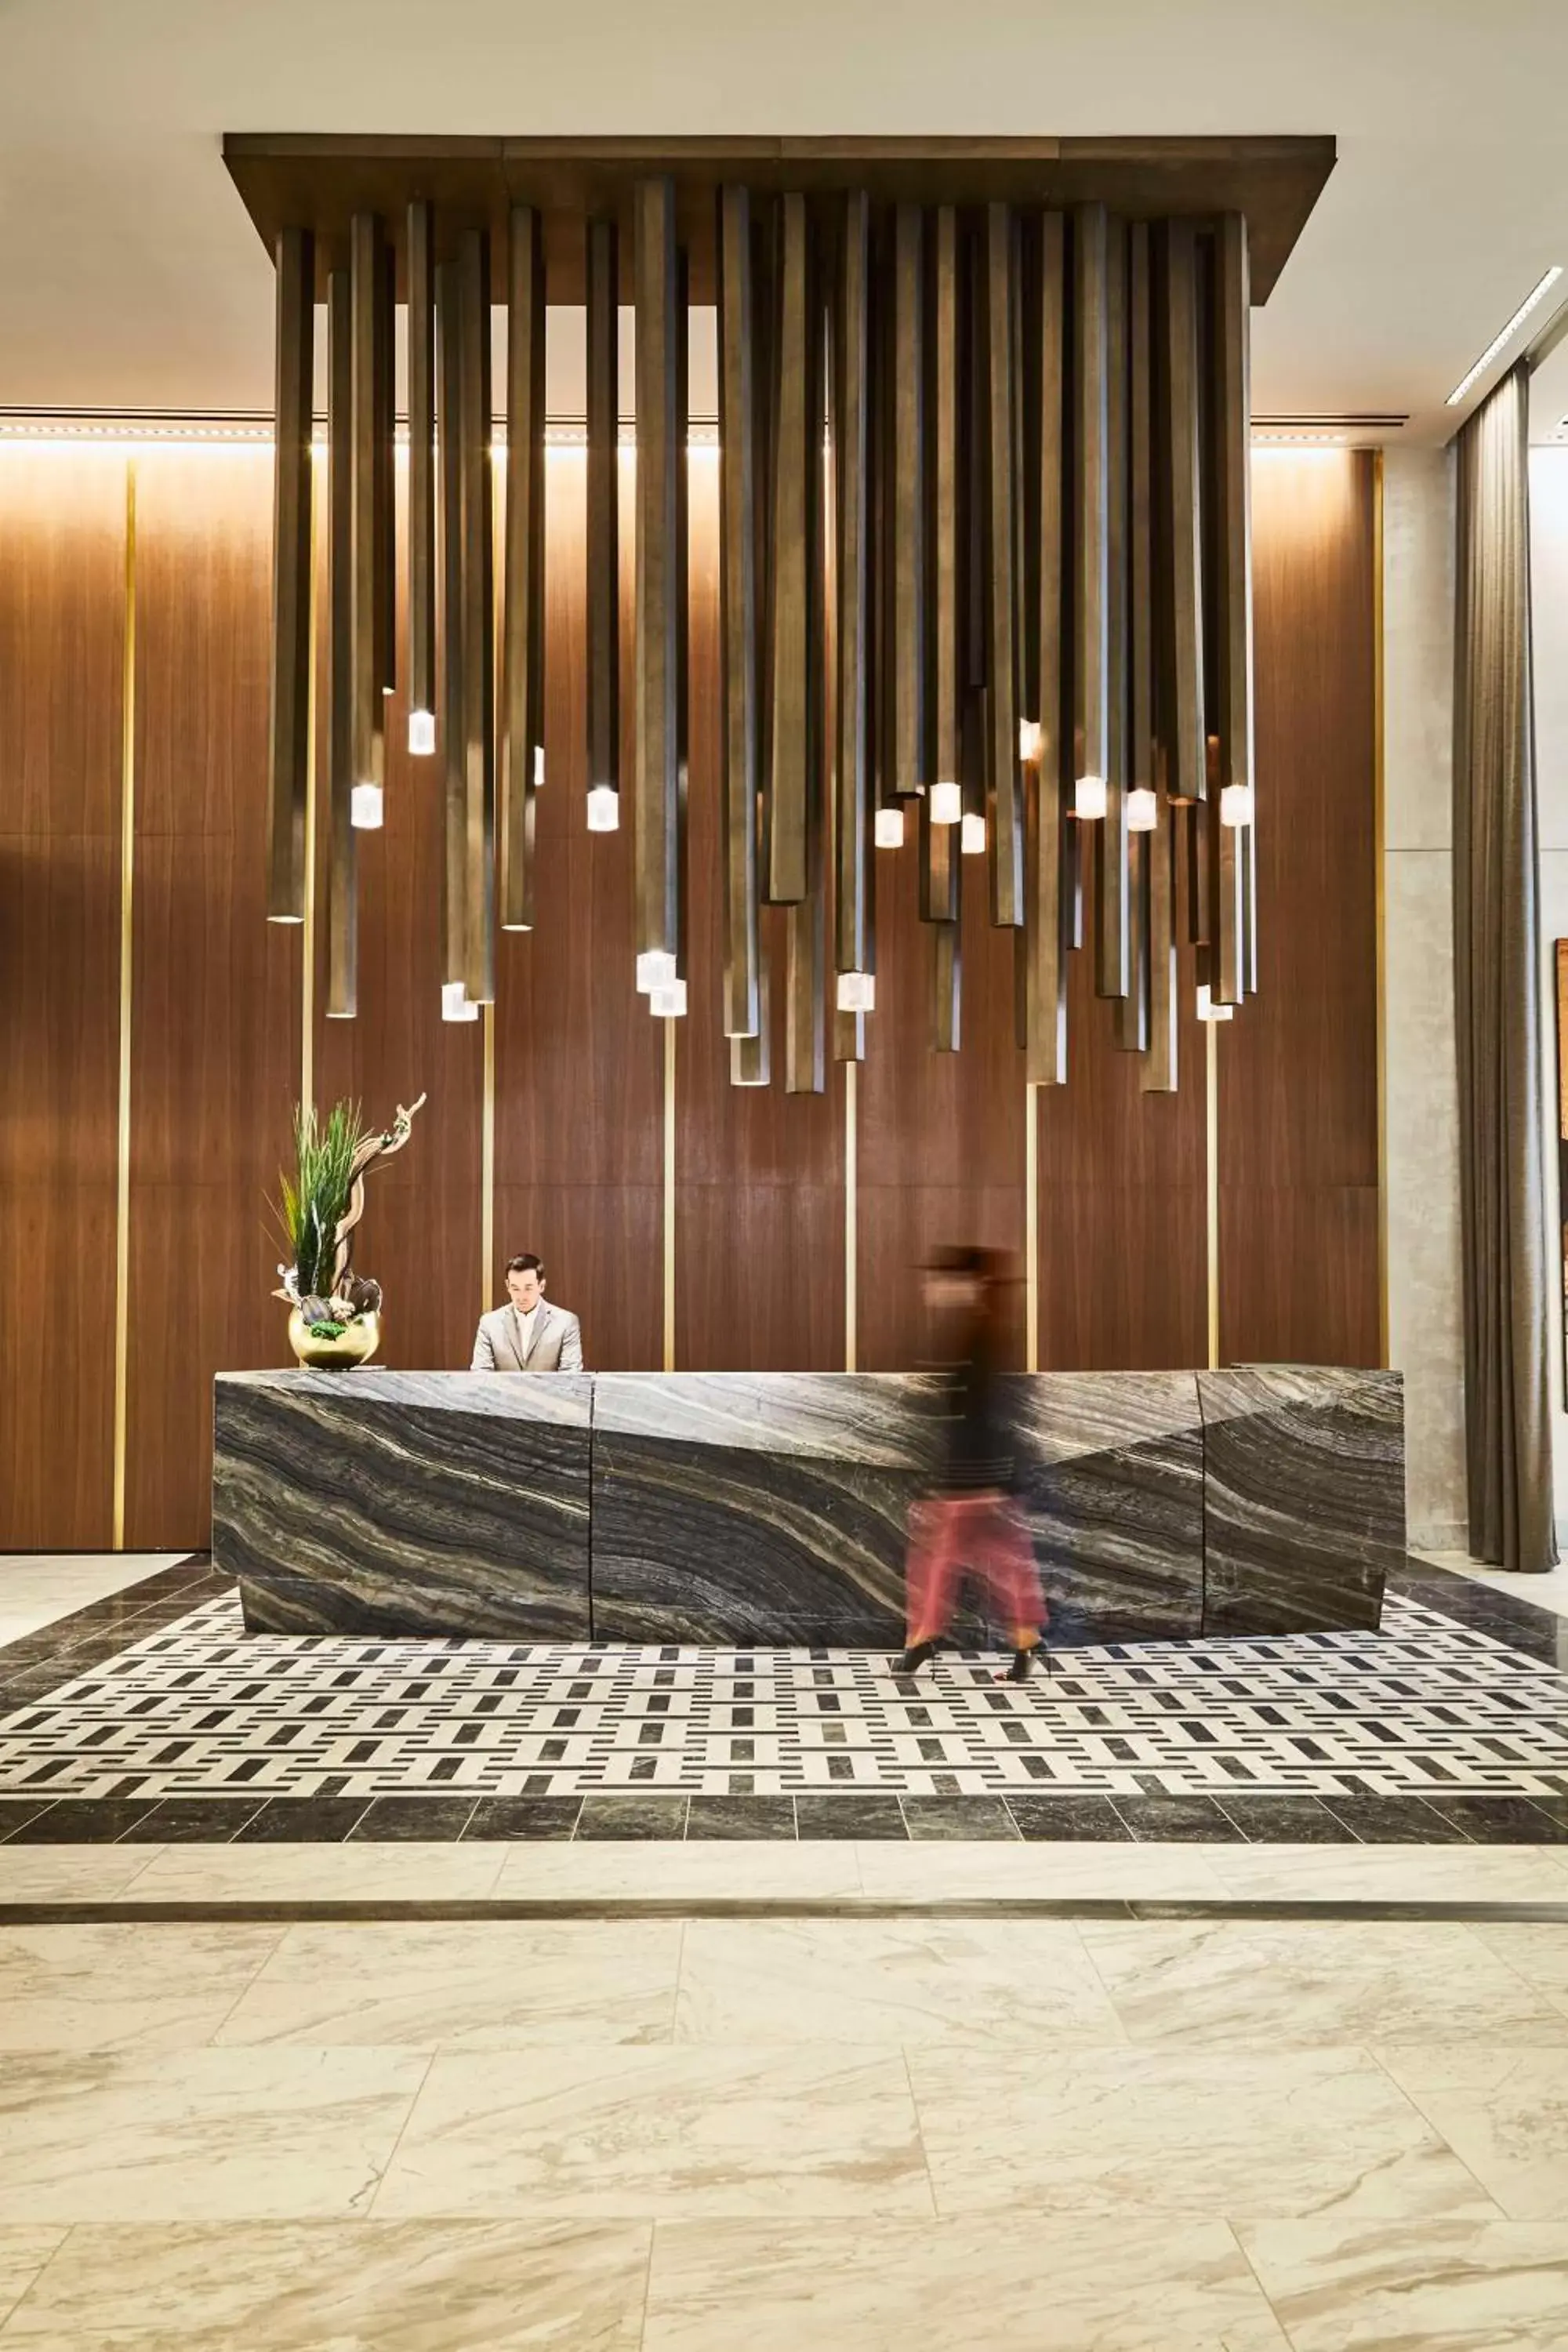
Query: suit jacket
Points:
[557, 1341]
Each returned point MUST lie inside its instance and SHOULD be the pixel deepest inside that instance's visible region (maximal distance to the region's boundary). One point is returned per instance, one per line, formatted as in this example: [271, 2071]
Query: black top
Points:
[978, 1453]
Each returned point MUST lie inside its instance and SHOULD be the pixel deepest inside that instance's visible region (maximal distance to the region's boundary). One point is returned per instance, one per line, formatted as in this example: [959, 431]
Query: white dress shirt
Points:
[525, 1324]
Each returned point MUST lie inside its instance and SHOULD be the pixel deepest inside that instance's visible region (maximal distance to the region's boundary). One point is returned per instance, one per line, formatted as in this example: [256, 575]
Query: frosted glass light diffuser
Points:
[1142, 809]
[538, 765]
[1235, 804]
[668, 1001]
[455, 1005]
[422, 733]
[364, 808]
[946, 803]
[973, 836]
[604, 809]
[857, 992]
[1208, 1009]
[1088, 796]
[655, 969]
[890, 828]
[1029, 738]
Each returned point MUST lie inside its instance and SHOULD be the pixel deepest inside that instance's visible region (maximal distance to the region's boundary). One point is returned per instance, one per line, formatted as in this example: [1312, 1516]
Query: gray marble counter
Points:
[395, 1502]
[769, 1509]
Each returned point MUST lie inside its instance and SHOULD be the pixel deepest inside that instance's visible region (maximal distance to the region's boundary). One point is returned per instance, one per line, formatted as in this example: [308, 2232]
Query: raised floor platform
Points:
[769, 1509]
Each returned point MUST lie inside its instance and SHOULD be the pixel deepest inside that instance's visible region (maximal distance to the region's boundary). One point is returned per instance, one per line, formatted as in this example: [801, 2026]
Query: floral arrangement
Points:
[318, 1208]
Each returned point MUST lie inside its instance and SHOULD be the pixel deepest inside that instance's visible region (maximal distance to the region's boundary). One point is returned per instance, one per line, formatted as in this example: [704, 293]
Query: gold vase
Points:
[355, 1345]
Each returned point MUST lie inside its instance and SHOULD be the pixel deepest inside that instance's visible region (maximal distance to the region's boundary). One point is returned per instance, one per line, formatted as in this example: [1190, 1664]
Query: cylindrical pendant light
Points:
[604, 407]
[288, 761]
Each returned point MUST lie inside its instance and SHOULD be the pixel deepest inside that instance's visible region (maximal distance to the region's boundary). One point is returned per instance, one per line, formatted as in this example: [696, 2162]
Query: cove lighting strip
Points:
[255, 430]
[1536, 296]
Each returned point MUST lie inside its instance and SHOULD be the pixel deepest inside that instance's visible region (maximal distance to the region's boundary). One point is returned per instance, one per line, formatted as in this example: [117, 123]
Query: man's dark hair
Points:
[526, 1264]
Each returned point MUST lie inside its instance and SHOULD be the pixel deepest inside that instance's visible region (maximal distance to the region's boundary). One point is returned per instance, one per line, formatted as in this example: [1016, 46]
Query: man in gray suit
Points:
[529, 1334]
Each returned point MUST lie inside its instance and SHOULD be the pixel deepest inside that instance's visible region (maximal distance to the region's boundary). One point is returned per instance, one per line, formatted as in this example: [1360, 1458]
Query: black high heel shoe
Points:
[913, 1660]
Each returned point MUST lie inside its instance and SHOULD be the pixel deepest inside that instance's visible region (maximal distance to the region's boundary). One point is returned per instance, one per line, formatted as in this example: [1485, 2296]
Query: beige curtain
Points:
[1507, 1277]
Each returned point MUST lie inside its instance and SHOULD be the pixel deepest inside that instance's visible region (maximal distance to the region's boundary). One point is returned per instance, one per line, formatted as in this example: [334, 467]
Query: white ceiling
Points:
[129, 274]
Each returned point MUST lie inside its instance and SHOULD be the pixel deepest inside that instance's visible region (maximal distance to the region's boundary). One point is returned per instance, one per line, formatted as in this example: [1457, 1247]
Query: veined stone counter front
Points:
[769, 1509]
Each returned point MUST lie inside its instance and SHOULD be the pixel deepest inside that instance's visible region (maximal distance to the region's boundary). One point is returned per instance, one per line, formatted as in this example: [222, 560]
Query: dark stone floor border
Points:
[192, 1911]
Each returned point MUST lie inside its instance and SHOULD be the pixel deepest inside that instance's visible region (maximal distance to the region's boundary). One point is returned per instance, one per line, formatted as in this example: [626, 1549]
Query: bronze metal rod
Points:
[421, 286]
[854, 949]
[795, 589]
[738, 539]
[1091, 494]
[1184, 722]
[367, 283]
[478, 618]
[1004, 800]
[342, 846]
[1110, 835]
[946, 665]
[1232, 394]
[603, 615]
[522, 656]
[905, 519]
[454, 904]
[288, 775]
[660, 619]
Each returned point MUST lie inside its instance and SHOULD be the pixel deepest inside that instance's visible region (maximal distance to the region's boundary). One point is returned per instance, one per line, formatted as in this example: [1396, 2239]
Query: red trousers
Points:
[984, 1534]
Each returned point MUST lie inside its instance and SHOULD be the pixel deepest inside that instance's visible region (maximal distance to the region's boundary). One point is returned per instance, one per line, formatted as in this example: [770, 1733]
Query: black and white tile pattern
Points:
[1432, 1710]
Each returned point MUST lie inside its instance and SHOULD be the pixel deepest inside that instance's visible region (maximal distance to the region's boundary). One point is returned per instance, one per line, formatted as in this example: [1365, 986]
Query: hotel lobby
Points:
[784, 926]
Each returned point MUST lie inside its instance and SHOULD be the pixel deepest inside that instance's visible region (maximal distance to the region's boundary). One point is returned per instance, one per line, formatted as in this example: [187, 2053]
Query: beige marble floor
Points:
[39, 1587]
[721, 2134]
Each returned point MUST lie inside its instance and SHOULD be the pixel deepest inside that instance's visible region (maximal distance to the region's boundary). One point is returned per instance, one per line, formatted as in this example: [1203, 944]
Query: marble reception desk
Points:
[769, 1509]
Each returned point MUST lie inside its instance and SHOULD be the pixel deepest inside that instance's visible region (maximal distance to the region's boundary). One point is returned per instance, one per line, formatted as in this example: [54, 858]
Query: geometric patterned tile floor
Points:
[150, 1718]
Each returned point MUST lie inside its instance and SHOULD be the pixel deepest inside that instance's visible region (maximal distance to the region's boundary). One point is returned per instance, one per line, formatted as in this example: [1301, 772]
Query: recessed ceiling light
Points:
[1537, 294]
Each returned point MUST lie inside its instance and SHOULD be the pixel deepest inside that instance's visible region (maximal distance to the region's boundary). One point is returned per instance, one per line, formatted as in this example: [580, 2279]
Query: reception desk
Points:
[769, 1509]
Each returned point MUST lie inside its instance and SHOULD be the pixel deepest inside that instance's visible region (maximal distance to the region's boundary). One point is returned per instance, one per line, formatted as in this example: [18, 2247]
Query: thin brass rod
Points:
[1211, 1180]
[127, 944]
[1031, 1228]
[670, 1028]
[851, 1211]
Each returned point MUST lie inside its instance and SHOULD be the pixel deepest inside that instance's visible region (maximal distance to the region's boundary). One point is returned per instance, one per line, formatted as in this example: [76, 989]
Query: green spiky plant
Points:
[311, 1202]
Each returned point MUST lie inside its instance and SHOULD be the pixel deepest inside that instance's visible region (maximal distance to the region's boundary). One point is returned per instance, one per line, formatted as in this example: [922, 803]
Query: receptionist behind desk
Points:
[529, 1334]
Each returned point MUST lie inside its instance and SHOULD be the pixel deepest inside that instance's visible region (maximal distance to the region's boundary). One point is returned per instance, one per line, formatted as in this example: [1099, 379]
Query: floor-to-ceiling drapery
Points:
[1496, 902]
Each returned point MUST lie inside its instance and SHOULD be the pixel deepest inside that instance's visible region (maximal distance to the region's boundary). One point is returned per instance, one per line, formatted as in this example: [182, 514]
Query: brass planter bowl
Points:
[356, 1344]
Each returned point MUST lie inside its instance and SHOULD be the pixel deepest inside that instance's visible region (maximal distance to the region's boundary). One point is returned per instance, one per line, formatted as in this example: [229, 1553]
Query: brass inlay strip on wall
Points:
[487, 1165]
[307, 933]
[1211, 1180]
[670, 1029]
[1031, 1228]
[127, 878]
[1379, 814]
[851, 1211]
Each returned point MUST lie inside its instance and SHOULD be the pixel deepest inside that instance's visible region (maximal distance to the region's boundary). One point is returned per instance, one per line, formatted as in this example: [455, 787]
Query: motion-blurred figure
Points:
[971, 1522]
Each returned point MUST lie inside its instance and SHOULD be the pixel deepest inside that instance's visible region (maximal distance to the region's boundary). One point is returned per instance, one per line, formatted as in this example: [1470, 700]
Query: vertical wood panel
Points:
[63, 615]
[214, 1037]
[1298, 1066]
[759, 1171]
[579, 1080]
[941, 1134]
[420, 1237]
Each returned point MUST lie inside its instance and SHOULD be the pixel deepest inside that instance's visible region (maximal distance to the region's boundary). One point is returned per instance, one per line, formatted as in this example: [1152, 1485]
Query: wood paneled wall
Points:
[1298, 1069]
[62, 656]
[217, 1041]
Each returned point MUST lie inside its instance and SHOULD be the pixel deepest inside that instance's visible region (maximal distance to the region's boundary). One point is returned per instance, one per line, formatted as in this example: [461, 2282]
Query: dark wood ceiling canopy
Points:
[298, 179]
[983, 549]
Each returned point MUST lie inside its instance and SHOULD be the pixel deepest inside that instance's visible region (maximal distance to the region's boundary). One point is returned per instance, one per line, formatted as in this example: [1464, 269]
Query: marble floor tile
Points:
[452, 1984]
[1009, 2282]
[24, 2250]
[1394, 1873]
[927, 1872]
[39, 1588]
[200, 2135]
[813, 2131]
[643, 1871]
[1503, 2111]
[1292, 1983]
[893, 1981]
[1281, 2136]
[154, 1987]
[285, 1873]
[71, 1873]
[1536, 1950]
[360, 2286]
[1454, 2286]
